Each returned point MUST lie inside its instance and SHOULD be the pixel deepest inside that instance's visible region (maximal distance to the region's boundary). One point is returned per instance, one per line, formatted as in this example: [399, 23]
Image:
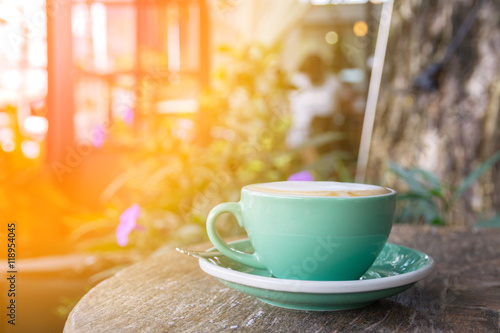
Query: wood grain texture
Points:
[452, 129]
[170, 293]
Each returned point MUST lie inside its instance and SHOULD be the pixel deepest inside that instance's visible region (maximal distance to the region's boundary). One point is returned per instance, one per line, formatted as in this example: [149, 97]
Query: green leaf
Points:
[429, 177]
[408, 176]
[430, 213]
[413, 196]
[405, 212]
[474, 175]
[415, 206]
[437, 193]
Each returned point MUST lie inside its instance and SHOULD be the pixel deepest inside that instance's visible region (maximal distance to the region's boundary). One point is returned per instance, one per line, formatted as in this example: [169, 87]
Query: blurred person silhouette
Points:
[312, 105]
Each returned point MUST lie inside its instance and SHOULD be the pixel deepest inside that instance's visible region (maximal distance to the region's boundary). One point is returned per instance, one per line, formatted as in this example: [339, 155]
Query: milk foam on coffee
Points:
[319, 189]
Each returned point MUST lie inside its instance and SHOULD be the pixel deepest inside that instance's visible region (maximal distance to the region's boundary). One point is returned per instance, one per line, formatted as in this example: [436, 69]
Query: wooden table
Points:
[170, 293]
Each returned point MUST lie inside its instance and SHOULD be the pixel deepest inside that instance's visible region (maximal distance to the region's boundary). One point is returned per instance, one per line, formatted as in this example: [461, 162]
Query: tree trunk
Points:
[451, 128]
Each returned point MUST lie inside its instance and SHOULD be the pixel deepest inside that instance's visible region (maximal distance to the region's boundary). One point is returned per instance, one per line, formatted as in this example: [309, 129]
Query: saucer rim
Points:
[317, 287]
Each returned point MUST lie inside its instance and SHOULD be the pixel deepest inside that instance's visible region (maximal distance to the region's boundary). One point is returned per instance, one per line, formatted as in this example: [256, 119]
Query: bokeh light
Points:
[31, 149]
[331, 37]
[8, 146]
[6, 134]
[36, 125]
[360, 28]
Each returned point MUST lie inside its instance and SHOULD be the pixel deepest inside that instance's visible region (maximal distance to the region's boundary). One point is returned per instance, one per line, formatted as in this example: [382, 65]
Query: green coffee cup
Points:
[323, 231]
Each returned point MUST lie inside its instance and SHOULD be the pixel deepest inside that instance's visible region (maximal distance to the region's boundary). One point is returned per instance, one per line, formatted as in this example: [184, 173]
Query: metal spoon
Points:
[199, 254]
[221, 260]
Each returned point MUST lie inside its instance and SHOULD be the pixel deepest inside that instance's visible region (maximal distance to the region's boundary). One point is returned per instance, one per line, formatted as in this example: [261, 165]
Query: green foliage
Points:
[180, 167]
[424, 199]
[430, 200]
[238, 137]
[471, 178]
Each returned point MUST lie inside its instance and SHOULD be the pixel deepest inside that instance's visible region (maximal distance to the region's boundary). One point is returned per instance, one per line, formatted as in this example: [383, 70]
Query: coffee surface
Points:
[319, 189]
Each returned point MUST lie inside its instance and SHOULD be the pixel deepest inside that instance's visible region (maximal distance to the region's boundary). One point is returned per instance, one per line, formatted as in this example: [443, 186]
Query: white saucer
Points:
[395, 270]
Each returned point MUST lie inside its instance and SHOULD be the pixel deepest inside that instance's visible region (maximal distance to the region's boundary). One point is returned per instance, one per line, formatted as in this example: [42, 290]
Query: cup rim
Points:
[284, 195]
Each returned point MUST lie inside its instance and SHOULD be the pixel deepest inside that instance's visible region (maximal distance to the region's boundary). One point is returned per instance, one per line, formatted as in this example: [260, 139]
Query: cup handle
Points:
[241, 257]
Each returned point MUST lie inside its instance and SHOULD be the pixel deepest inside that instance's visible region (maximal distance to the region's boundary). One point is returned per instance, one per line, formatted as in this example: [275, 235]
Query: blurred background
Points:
[123, 122]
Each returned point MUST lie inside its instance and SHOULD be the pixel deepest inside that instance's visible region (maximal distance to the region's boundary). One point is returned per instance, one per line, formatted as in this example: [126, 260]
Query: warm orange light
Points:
[6, 134]
[360, 28]
[4, 119]
[8, 146]
[36, 125]
[31, 149]
[99, 35]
